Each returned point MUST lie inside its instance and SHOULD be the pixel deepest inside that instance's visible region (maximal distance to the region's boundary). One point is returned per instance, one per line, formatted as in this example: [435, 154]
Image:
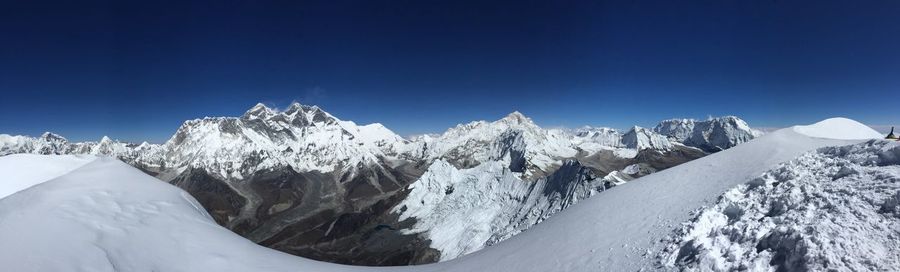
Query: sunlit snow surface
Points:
[839, 128]
[22, 171]
[836, 209]
[108, 216]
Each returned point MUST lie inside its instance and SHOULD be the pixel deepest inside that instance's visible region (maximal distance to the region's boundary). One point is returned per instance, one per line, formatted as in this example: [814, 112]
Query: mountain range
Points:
[304, 182]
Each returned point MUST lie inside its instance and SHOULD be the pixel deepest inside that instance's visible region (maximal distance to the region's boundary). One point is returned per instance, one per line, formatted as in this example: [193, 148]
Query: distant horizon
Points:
[137, 70]
[879, 128]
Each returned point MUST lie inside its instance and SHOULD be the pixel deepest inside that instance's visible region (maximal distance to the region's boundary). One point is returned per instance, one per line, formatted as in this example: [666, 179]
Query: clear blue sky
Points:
[137, 70]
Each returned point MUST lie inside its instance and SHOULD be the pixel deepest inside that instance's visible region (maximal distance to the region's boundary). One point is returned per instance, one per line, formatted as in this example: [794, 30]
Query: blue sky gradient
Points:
[136, 70]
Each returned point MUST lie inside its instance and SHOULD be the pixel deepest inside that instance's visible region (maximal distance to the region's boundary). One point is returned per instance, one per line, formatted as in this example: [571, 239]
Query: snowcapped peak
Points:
[516, 117]
[50, 136]
[294, 105]
[838, 128]
[105, 139]
[259, 111]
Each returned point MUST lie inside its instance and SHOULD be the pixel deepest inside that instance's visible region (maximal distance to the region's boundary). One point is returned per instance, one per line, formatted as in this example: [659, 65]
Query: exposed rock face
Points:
[307, 183]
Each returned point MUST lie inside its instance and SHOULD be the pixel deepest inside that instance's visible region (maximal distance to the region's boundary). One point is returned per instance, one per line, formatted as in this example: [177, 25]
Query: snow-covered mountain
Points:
[53, 144]
[462, 211]
[530, 149]
[99, 214]
[304, 182]
[711, 135]
[298, 180]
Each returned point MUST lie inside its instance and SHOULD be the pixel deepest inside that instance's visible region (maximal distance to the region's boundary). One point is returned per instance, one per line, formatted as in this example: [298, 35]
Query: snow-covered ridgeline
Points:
[302, 137]
[834, 209]
[305, 138]
[50, 143]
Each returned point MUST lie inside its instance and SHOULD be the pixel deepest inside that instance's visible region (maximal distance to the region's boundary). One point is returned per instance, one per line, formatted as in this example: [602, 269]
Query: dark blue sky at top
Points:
[137, 70]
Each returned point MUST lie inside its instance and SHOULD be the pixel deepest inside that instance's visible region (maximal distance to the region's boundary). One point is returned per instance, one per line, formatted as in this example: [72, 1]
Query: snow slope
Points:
[839, 128]
[21, 171]
[836, 209]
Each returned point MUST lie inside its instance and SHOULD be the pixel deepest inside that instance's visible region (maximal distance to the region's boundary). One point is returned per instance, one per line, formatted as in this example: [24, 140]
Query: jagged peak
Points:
[678, 120]
[47, 136]
[726, 117]
[294, 105]
[260, 110]
[637, 129]
[516, 117]
[105, 139]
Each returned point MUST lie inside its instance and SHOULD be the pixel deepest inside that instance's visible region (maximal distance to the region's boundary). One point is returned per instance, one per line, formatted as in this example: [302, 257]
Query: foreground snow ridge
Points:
[25, 170]
[835, 209]
[107, 216]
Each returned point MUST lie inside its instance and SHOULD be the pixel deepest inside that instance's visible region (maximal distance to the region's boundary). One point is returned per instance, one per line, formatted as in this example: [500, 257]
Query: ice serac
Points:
[711, 135]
